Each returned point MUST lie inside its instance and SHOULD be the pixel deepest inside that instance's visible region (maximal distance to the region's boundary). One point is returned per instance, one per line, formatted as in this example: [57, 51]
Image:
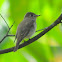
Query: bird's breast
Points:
[32, 30]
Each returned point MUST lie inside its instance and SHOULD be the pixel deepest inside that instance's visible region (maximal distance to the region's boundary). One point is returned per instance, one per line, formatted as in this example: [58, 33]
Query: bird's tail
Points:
[17, 45]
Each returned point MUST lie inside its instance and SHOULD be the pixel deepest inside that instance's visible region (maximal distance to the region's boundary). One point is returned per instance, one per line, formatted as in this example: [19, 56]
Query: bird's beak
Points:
[37, 15]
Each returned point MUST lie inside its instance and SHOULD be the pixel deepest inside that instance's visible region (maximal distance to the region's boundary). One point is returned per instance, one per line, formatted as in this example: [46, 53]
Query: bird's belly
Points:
[32, 31]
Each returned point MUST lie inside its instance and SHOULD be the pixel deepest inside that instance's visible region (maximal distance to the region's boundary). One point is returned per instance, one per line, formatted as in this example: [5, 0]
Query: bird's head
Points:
[31, 15]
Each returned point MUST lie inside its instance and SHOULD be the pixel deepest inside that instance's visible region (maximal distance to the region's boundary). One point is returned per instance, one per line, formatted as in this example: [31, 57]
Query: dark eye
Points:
[31, 15]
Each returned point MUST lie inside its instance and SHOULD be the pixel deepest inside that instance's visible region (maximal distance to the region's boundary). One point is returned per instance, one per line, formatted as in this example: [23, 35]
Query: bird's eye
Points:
[31, 15]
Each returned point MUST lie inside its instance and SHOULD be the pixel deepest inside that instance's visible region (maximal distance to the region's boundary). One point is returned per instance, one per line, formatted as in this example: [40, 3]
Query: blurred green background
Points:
[48, 48]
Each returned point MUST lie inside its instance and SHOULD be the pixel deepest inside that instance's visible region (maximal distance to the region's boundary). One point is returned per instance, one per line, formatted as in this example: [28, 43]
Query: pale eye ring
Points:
[31, 15]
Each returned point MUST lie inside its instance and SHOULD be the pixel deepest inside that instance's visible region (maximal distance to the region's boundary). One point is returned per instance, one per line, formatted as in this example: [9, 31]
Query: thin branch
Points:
[7, 33]
[10, 27]
[3, 38]
[34, 38]
[41, 29]
[5, 21]
[11, 35]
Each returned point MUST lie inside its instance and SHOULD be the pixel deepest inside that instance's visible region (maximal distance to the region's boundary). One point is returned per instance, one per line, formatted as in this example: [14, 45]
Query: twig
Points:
[7, 33]
[34, 38]
[3, 38]
[10, 27]
[41, 29]
[10, 35]
[5, 21]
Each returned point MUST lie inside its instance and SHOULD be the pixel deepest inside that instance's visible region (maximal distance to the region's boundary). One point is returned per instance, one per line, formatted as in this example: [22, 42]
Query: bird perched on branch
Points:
[26, 28]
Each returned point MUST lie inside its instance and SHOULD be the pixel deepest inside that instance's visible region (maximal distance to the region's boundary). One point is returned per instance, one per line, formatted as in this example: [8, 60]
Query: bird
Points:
[26, 28]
